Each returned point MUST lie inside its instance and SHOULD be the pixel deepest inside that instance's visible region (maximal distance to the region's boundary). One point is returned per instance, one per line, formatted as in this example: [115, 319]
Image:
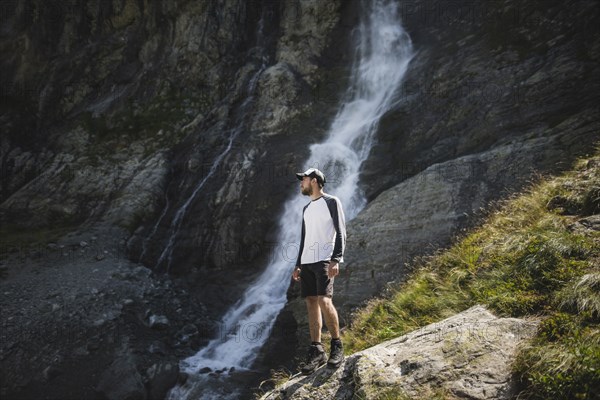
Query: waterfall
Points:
[383, 53]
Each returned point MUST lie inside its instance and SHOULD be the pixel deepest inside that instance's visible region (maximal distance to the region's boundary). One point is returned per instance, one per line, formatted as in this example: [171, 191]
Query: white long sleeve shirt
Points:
[323, 231]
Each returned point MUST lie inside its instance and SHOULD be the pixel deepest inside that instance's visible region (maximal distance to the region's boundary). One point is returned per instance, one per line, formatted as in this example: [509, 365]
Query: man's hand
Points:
[334, 269]
[296, 274]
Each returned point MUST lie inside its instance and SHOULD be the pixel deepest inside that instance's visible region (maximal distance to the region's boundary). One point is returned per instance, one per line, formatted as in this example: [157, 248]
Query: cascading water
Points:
[382, 59]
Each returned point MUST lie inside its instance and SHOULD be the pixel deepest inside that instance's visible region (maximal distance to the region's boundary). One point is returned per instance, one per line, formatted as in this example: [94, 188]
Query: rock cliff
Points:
[163, 117]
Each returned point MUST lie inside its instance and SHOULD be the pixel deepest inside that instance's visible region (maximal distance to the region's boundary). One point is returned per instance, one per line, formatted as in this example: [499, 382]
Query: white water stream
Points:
[383, 54]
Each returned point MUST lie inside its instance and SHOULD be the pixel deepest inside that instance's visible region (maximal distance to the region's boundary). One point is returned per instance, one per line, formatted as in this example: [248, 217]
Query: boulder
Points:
[161, 378]
[467, 356]
[122, 381]
[158, 322]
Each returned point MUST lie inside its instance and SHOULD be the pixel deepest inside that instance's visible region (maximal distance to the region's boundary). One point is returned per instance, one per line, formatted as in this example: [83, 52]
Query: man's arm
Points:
[339, 223]
[296, 273]
[299, 260]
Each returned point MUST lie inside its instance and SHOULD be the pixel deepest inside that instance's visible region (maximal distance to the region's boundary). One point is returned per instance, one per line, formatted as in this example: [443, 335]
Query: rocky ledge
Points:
[467, 356]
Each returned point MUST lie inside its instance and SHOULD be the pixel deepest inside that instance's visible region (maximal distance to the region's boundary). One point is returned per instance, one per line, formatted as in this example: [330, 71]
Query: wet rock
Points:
[93, 344]
[51, 372]
[158, 347]
[185, 334]
[161, 377]
[128, 302]
[182, 378]
[158, 322]
[122, 380]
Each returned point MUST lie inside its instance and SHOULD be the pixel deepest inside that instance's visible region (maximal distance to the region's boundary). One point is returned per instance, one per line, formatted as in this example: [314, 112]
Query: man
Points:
[321, 251]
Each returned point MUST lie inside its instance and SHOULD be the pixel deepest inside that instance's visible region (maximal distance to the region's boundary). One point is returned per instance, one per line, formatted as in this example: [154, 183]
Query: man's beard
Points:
[307, 191]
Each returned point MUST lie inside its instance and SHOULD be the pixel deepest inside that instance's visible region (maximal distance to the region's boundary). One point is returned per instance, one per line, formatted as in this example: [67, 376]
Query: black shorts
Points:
[314, 280]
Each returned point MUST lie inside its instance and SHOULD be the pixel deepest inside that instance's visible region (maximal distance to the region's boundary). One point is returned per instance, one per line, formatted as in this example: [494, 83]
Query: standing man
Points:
[321, 251]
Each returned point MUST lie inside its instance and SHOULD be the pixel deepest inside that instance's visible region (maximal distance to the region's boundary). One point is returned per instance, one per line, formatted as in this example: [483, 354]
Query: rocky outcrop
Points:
[467, 356]
[117, 196]
[122, 380]
[426, 211]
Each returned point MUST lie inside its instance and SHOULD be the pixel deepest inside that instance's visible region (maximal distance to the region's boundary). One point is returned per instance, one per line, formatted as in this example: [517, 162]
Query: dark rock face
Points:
[92, 92]
[162, 377]
[486, 74]
[168, 119]
[231, 185]
[122, 381]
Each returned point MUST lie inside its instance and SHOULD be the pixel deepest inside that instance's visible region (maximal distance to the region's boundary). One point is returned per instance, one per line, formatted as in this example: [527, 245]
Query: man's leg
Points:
[316, 352]
[331, 316]
[333, 324]
[315, 323]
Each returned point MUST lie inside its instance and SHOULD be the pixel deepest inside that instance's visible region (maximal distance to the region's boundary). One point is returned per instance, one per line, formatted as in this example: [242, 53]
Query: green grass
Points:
[529, 257]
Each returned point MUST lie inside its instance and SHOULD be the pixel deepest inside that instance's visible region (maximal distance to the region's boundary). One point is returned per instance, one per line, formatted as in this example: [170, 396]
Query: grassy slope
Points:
[530, 257]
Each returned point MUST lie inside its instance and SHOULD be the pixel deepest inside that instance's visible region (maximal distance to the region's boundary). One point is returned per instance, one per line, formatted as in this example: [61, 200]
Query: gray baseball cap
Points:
[313, 173]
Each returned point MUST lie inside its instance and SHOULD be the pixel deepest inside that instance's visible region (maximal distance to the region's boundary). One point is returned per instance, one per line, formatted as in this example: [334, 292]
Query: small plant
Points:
[277, 378]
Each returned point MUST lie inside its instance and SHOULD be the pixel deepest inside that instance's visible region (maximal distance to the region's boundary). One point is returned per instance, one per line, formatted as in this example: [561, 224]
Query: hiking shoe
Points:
[316, 358]
[337, 354]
